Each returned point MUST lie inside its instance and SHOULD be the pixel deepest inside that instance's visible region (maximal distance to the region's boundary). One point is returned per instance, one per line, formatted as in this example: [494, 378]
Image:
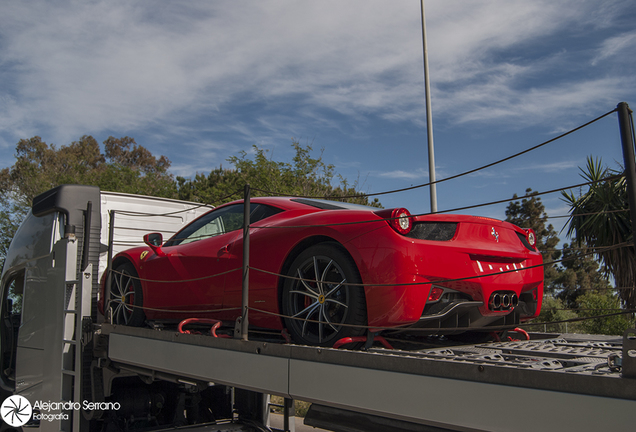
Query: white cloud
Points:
[550, 104]
[97, 65]
[551, 167]
[81, 67]
[464, 38]
[613, 46]
[417, 174]
[484, 71]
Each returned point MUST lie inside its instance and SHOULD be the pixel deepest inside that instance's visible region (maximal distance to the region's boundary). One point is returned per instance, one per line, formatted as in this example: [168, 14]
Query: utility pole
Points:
[429, 118]
[626, 126]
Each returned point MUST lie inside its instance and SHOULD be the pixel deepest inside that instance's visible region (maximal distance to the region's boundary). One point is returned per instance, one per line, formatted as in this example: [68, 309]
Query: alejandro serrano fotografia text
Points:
[69, 406]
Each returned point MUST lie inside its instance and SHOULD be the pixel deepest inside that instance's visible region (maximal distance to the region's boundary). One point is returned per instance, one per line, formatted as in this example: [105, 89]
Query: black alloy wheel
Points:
[126, 297]
[319, 306]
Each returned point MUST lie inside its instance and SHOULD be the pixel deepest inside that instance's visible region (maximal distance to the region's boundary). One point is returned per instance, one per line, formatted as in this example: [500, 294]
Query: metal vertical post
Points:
[627, 140]
[246, 260]
[429, 117]
[289, 415]
[109, 263]
[87, 235]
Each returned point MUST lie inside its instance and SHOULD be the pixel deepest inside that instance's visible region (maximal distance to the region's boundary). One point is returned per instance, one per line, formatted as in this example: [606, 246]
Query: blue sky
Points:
[199, 81]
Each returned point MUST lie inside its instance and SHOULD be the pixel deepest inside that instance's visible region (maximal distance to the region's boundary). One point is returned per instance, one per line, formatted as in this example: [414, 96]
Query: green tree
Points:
[123, 167]
[305, 175]
[599, 218]
[553, 314]
[598, 304]
[216, 188]
[579, 274]
[530, 213]
[132, 168]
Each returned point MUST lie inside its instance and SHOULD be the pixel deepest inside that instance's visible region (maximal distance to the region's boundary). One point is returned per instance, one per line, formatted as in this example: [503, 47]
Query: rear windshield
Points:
[331, 205]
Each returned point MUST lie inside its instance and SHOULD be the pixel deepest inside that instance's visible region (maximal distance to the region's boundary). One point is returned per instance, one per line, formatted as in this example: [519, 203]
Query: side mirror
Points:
[154, 241]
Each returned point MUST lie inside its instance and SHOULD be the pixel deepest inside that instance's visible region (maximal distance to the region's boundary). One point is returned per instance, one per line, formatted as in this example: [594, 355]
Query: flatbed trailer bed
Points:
[554, 384]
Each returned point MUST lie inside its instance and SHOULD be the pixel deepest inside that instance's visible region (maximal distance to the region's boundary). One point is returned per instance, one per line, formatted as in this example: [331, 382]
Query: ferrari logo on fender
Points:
[144, 254]
[495, 234]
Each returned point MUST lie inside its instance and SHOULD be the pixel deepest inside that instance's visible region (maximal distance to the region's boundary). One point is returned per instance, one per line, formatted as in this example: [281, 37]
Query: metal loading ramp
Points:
[547, 385]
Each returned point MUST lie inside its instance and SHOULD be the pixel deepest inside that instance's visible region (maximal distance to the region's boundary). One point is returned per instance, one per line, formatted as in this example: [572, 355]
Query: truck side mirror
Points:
[154, 241]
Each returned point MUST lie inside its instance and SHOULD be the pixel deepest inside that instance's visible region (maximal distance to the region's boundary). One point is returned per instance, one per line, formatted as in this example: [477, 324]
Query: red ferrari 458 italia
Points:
[325, 270]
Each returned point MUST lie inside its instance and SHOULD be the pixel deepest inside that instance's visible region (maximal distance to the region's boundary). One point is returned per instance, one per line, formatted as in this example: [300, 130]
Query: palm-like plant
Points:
[600, 217]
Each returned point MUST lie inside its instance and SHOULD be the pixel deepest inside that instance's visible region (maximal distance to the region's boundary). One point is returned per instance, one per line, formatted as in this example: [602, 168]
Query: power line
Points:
[457, 175]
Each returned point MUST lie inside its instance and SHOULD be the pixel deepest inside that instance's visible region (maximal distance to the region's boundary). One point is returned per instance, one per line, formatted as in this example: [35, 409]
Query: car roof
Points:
[316, 204]
[297, 203]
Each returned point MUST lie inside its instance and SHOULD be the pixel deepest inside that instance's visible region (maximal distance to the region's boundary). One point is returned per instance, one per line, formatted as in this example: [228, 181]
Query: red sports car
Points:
[325, 270]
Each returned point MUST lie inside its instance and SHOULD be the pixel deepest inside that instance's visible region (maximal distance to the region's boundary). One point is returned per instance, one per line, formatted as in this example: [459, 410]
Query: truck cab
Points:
[50, 281]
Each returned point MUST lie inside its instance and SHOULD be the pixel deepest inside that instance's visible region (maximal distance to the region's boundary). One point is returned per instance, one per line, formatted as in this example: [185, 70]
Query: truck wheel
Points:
[126, 297]
[317, 306]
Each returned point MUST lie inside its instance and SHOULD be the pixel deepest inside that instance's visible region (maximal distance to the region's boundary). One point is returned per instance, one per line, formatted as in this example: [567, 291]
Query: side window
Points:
[221, 221]
[215, 223]
[210, 229]
[262, 212]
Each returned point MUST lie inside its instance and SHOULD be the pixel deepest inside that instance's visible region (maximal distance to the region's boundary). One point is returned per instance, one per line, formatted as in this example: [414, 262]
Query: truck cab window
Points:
[15, 290]
[10, 319]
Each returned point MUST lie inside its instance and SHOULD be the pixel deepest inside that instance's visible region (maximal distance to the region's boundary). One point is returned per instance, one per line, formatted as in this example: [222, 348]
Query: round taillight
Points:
[532, 238]
[401, 220]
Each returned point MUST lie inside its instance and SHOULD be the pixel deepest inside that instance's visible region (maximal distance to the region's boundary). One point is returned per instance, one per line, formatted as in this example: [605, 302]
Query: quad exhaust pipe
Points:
[503, 300]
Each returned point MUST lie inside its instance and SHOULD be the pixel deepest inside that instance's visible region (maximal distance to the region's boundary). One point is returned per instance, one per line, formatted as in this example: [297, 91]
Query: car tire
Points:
[126, 297]
[318, 306]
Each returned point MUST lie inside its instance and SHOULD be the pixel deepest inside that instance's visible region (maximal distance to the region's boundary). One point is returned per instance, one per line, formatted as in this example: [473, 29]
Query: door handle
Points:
[224, 249]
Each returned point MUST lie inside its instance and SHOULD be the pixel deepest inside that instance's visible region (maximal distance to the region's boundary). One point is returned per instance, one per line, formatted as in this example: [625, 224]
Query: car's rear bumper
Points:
[399, 273]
